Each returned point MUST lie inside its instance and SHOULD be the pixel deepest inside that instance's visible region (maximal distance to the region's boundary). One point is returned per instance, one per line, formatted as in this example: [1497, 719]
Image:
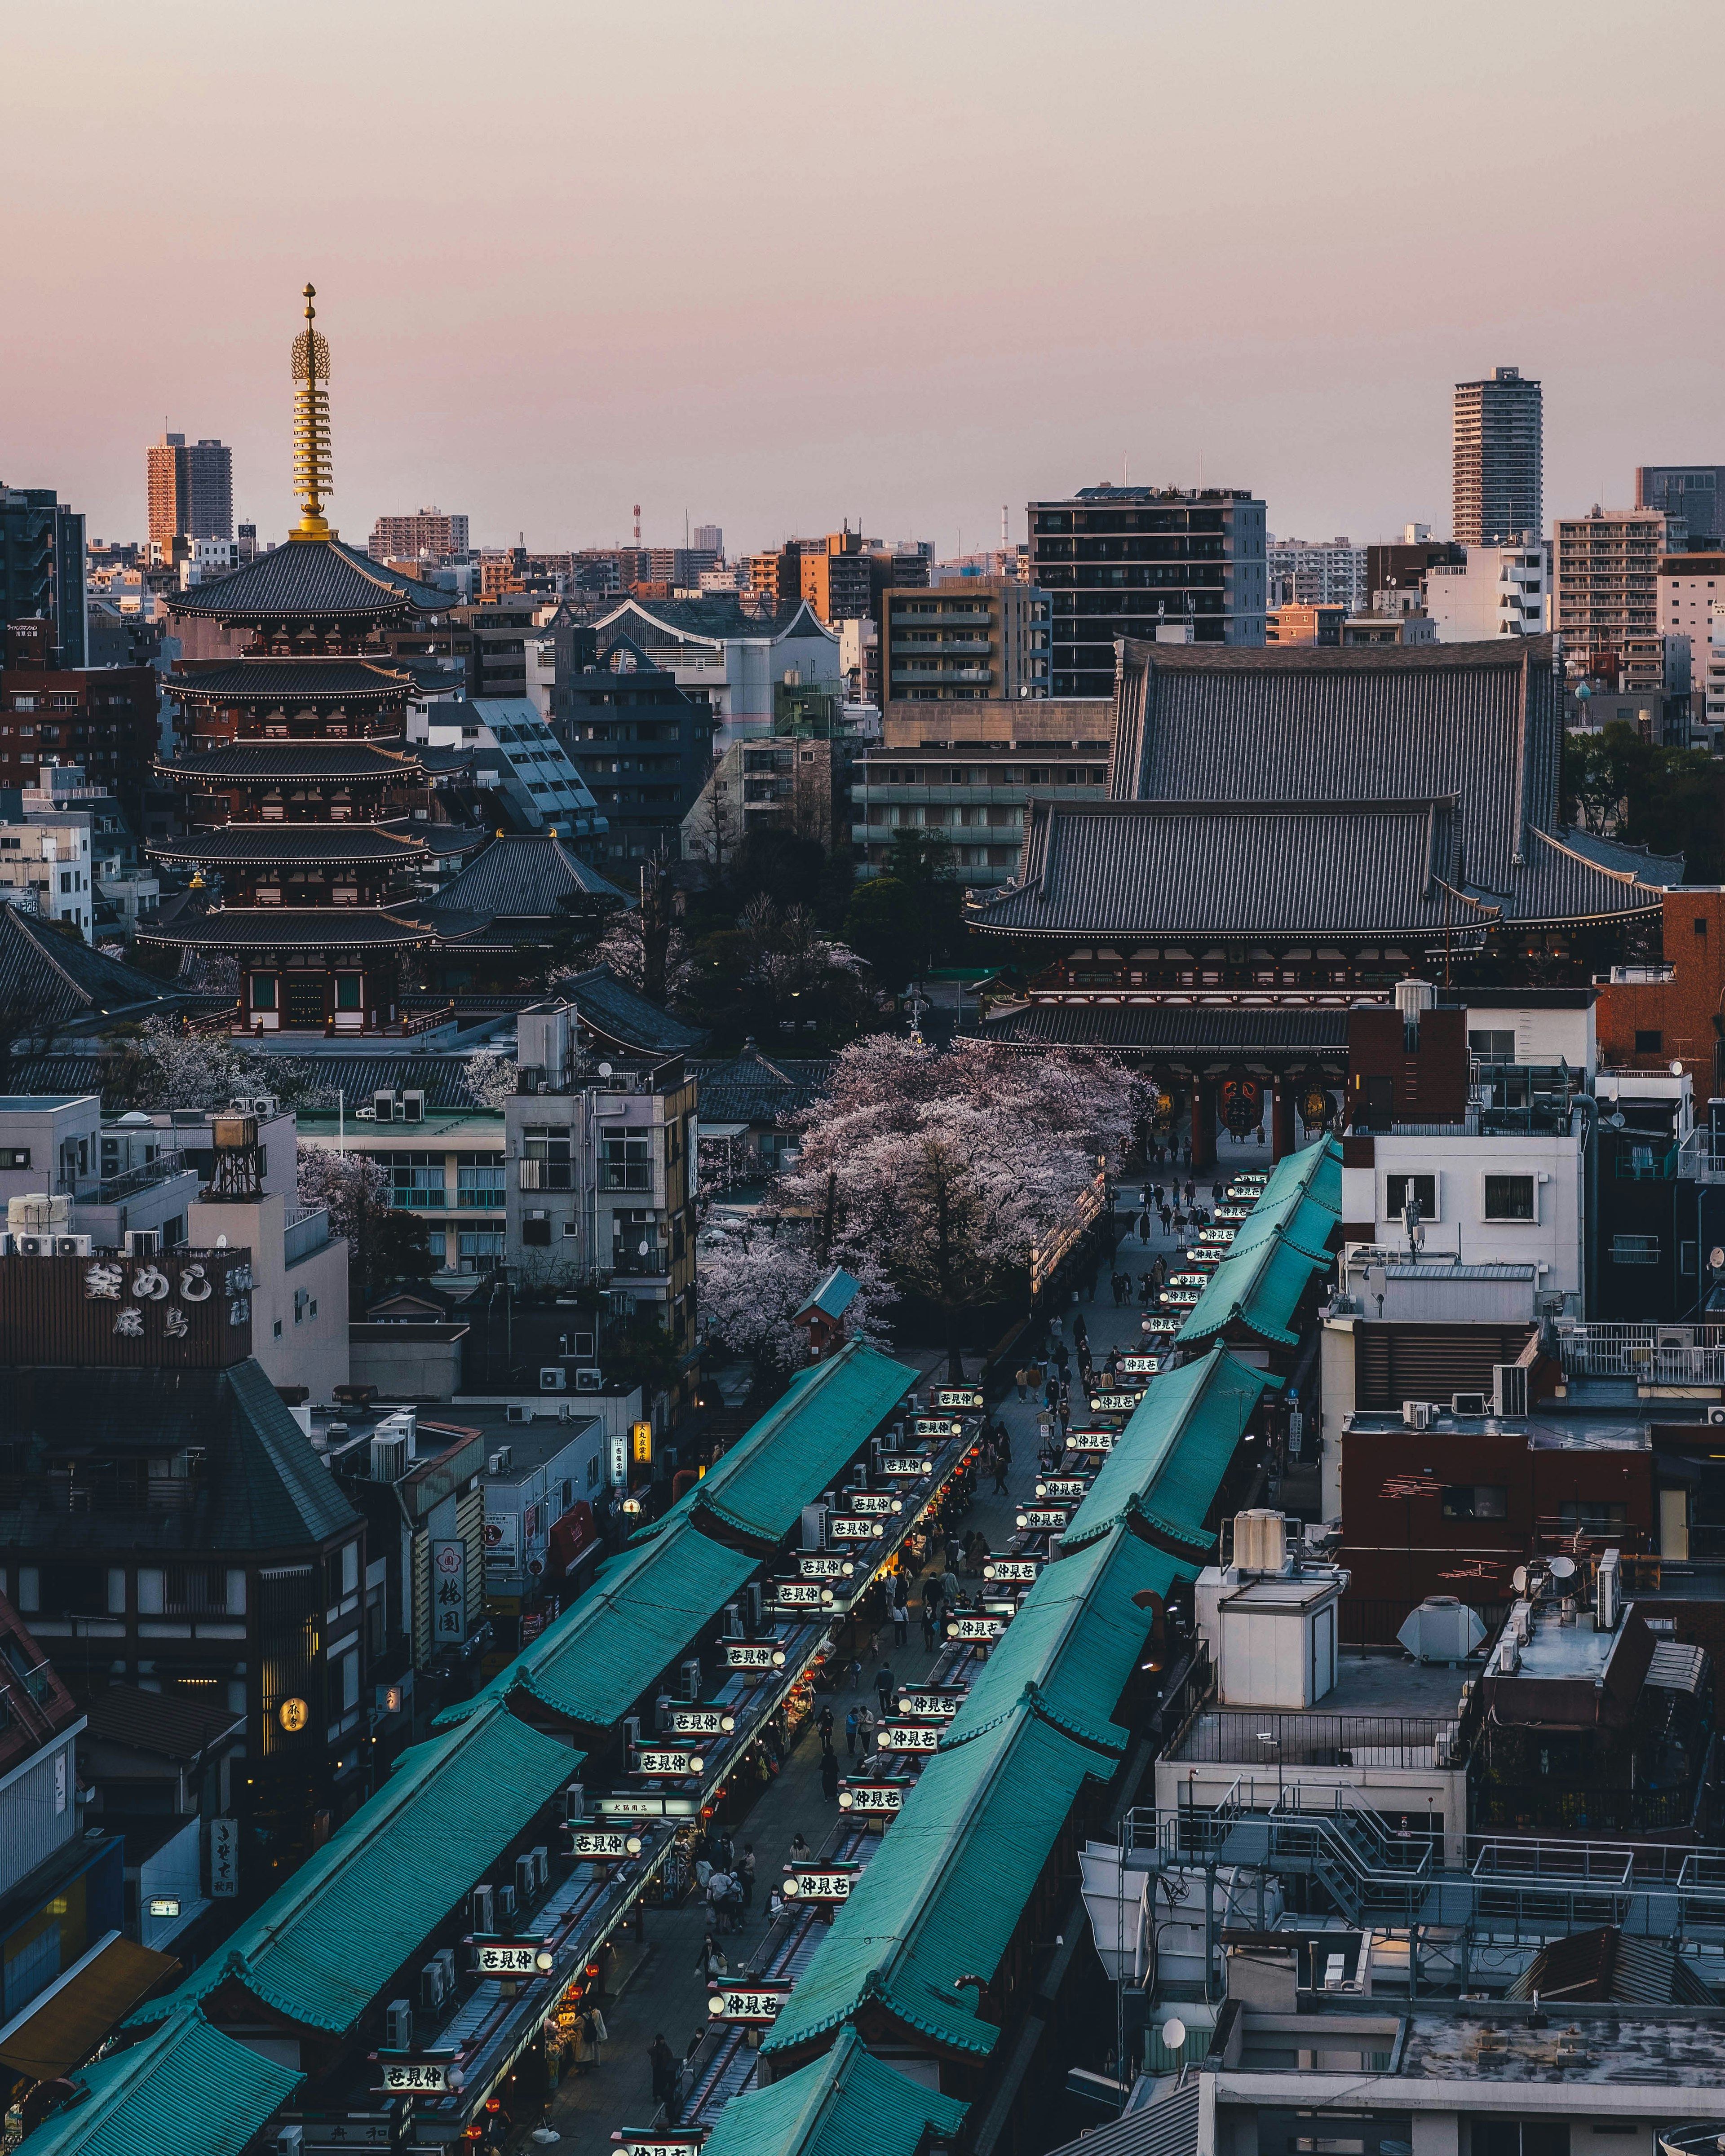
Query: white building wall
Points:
[1502, 591]
[299, 1310]
[1453, 1172]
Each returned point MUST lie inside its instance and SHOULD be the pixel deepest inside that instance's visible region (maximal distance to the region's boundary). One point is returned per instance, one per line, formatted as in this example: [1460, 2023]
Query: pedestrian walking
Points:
[949, 1587]
[799, 1848]
[856, 1674]
[712, 1964]
[850, 1732]
[829, 1776]
[928, 1624]
[1000, 1467]
[1023, 1379]
[664, 2065]
[1157, 1199]
[825, 1727]
[866, 1732]
[746, 1874]
[1055, 1329]
[901, 1614]
[884, 1681]
[1168, 1217]
[1080, 1331]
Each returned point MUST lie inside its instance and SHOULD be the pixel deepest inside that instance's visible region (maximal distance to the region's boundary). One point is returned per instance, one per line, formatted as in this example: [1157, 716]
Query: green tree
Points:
[1669, 800]
[910, 918]
[644, 1354]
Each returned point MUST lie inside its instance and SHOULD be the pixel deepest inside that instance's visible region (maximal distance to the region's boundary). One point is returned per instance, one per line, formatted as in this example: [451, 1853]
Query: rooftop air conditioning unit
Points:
[431, 1986]
[399, 2021]
[1417, 1415]
[631, 1732]
[389, 1458]
[506, 1904]
[691, 1678]
[34, 1246]
[481, 1909]
[384, 1107]
[566, 1411]
[71, 1246]
[732, 1627]
[524, 1881]
[1670, 1339]
[262, 1106]
[1509, 1389]
[539, 1856]
[588, 1381]
[575, 1800]
[662, 1714]
[517, 1411]
[1716, 1416]
[290, 2140]
[1608, 1590]
[1469, 1405]
[413, 1107]
[553, 1378]
[445, 1958]
[497, 1462]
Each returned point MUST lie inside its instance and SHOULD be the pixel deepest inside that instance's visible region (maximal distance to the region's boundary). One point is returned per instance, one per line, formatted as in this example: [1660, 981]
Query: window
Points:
[263, 991]
[1475, 1501]
[347, 987]
[1635, 1250]
[623, 1162]
[480, 1249]
[1509, 1198]
[418, 1186]
[1399, 1188]
[1648, 1043]
[479, 1186]
[1700, 924]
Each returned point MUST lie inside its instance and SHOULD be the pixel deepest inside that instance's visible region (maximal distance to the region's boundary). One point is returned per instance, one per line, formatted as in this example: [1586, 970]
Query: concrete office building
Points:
[1126, 561]
[1689, 586]
[1693, 493]
[429, 534]
[41, 568]
[1604, 572]
[1499, 459]
[191, 489]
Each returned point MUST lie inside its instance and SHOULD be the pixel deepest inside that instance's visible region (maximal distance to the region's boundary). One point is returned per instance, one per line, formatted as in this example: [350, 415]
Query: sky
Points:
[777, 266]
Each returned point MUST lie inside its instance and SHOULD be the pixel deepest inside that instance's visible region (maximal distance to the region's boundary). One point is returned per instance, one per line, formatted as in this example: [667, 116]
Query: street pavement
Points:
[662, 1991]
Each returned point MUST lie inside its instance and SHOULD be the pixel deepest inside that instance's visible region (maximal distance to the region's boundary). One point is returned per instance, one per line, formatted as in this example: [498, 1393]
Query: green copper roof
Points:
[644, 1607]
[185, 2086]
[945, 1895]
[1282, 1244]
[323, 1944]
[783, 1461]
[846, 2101]
[1175, 1449]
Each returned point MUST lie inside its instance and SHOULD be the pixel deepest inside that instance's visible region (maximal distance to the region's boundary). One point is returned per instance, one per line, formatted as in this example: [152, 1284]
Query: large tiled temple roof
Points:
[309, 580]
[258, 844]
[293, 680]
[276, 762]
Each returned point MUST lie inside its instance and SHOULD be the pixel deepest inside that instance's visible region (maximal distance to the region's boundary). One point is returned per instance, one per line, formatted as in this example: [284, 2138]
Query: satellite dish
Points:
[221, 1242]
[604, 1070]
[1715, 1257]
[1518, 1579]
[1563, 1568]
[1173, 2034]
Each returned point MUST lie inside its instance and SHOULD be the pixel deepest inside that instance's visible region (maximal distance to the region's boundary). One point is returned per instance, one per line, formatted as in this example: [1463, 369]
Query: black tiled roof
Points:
[291, 681]
[1170, 1030]
[265, 1487]
[622, 1014]
[443, 1079]
[747, 1089]
[50, 981]
[324, 844]
[1238, 868]
[306, 579]
[442, 759]
[522, 877]
[269, 763]
[289, 928]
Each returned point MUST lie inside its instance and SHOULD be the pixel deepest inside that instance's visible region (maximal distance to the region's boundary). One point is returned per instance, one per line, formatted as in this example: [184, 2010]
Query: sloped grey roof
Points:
[522, 877]
[49, 981]
[261, 763]
[748, 1089]
[259, 844]
[283, 681]
[1167, 2127]
[1219, 867]
[622, 1014]
[288, 928]
[306, 579]
[1172, 1030]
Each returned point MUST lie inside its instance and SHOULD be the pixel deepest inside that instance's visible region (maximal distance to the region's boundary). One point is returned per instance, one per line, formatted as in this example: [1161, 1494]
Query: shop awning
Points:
[60, 2030]
[570, 1535]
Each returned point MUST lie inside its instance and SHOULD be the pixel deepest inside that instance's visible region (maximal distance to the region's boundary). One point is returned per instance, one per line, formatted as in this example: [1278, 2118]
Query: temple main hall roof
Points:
[311, 580]
[289, 928]
[1302, 790]
[293, 680]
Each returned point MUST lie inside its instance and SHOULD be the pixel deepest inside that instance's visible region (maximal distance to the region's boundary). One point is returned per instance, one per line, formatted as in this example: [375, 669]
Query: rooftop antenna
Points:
[638, 523]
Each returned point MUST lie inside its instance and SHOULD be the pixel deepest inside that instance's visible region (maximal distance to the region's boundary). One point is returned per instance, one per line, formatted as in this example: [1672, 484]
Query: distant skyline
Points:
[771, 268]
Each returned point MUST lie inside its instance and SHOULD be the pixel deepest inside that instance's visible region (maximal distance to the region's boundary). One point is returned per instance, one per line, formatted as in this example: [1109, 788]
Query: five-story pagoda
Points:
[302, 786]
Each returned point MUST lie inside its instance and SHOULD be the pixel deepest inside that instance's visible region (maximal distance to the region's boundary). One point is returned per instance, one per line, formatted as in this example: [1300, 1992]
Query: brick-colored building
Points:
[1649, 1017]
[103, 717]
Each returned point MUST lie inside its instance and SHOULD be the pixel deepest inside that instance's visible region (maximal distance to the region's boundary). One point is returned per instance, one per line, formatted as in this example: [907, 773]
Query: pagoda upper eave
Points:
[263, 845]
[295, 762]
[259, 929]
[309, 683]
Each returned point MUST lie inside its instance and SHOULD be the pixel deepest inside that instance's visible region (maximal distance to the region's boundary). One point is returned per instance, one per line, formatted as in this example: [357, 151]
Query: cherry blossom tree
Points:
[946, 1170]
[754, 1276]
[491, 1078]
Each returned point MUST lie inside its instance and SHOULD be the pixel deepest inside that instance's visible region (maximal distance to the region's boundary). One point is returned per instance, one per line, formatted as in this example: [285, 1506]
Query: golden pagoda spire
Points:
[312, 427]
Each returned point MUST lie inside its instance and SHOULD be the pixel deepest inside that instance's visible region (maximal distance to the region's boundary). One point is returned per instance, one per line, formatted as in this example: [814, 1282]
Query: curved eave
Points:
[216, 853]
[291, 928]
[307, 697]
[192, 772]
[1112, 933]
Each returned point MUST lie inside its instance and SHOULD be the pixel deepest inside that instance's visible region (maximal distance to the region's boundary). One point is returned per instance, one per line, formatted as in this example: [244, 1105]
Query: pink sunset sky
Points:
[773, 265]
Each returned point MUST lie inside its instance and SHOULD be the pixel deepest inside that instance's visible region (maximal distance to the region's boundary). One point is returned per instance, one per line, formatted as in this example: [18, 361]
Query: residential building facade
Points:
[1123, 560]
[104, 719]
[1497, 591]
[190, 486]
[429, 534]
[1693, 493]
[41, 568]
[737, 659]
[1499, 455]
[641, 744]
[978, 640]
[1605, 585]
[1317, 572]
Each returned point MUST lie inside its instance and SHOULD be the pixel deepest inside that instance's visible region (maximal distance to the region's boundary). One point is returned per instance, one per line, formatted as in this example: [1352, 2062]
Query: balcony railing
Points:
[1648, 1354]
[1225, 1737]
[551, 1175]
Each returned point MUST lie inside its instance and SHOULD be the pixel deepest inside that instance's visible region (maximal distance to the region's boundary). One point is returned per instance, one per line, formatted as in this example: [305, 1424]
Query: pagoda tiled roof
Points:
[310, 580]
[271, 763]
[289, 928]
[327, 844]
[292, 681]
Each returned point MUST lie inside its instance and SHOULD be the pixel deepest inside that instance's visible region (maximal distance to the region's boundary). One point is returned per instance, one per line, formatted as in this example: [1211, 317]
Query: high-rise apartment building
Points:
[1128, 561]
[976, 640]
[1317, 572]
[428, 534]
[709, 539]
[835, 576]
[1499, 459]
[1696, 493]
[191, 489]
[1605, 591]
[42, 570]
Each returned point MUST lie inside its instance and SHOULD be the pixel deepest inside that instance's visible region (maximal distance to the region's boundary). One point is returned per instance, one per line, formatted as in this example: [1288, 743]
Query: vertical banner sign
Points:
[641, 1437]
[224, 1859]
[448, 1594]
